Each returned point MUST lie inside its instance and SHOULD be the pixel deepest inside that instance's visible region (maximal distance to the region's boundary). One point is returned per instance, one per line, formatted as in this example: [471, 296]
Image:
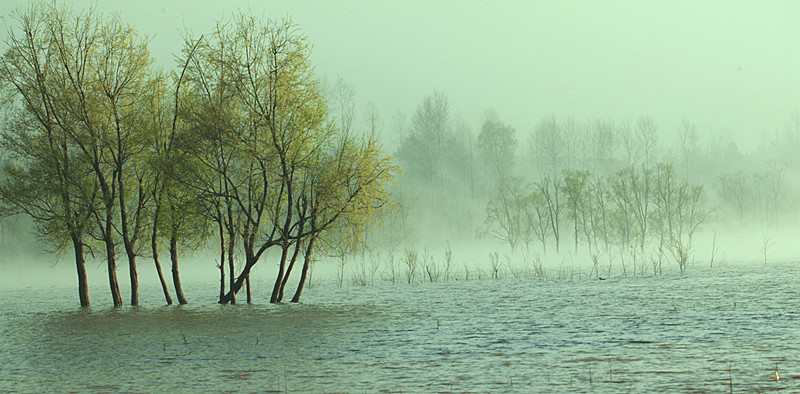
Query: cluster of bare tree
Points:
[600, 145]
[640, 213]
[757, 197]
[601, 182]
[448, 170]
[108, 153]
[452, 172]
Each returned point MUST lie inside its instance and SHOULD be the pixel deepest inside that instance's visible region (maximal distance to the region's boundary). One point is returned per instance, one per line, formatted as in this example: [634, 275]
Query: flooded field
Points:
[716, 330]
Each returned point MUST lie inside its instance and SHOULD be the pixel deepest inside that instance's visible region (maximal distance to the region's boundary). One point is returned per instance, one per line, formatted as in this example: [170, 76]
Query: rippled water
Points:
[713, 330]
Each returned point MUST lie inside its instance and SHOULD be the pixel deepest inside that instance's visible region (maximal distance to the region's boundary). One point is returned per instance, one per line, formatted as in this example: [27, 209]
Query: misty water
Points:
[709, 330]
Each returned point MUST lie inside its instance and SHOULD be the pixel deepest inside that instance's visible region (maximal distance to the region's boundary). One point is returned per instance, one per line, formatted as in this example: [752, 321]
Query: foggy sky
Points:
[730, 67]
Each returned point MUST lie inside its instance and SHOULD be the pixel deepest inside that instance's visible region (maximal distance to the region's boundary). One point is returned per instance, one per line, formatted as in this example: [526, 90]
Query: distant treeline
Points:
[618, 215]
[607, 184]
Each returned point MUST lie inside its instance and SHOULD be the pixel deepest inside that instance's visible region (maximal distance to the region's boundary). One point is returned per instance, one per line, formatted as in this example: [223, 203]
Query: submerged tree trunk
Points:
[116, 297]
[127, 242]
[304, 273]
[134, 275]
[221, 259]
[281, 269]
[251, 258]
[247, 287]
[108, 231]
[288, 175]
[231, 269]
[289, 270]
[154, 244]
[164, 286]
[176, 278]
[222, 280]
[575, 228]
[157, 193]
[80, 264]
[236, 284]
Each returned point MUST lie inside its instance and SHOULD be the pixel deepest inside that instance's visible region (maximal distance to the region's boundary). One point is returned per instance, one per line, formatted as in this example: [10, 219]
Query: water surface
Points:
[709, 330]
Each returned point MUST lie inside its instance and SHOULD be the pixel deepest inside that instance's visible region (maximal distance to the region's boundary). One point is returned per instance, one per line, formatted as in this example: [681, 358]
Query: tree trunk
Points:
[221, 259]
[237, 284]
[304, 273]
[281, 269]
[134, 275]
[558, 243]
[222, 279]
[251, 258]
[575, 229]
[231, 269]
[176, 278]
[116, 297]
[127, 242]
[287, 178]
[231, 248]
[80, 264]
[247, 287]
[154, 244]
[289, 270]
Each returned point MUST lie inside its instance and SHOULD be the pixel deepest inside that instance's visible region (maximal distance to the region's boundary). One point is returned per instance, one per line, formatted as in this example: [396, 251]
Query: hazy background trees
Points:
[617, 188]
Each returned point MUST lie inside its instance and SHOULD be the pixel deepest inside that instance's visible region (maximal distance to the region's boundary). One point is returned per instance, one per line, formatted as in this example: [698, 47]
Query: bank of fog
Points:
[590, 198]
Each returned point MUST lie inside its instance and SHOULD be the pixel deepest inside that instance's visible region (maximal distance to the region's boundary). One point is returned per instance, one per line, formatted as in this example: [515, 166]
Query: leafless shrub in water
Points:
[494, 259]
[766, 244]
[448, 261]
[391, 272]
[680, 252]
[410, 262]
[595, 263]
[714, 249]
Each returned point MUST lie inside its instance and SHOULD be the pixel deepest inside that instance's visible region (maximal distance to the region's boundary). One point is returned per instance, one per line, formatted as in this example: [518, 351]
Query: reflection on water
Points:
[706, 331]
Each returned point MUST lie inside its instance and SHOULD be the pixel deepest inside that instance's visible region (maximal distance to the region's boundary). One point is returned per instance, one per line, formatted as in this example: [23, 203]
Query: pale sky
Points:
[728, 66]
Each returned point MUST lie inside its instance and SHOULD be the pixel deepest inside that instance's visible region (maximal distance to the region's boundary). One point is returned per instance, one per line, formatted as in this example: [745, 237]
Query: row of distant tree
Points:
[235, 148]
[646, 213]
[455, 175]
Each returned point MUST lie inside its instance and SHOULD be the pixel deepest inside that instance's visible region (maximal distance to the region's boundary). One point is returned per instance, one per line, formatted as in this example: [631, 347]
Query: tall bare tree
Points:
[647, 138]
[547, 144]
[498, 146]
[687, 134]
